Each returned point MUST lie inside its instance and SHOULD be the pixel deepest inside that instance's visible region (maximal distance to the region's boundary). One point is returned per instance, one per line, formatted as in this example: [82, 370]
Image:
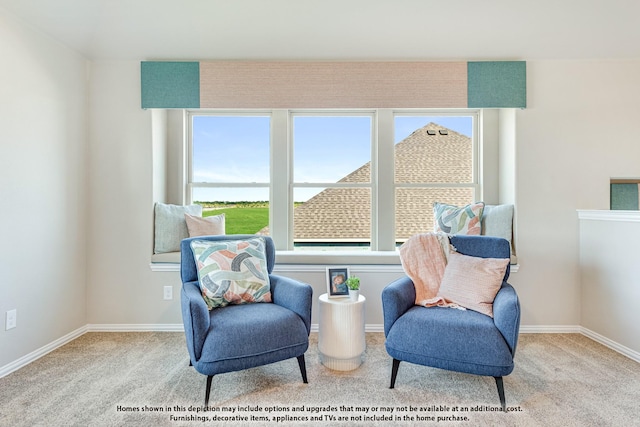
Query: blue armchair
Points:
[455, 340]
[237, 337]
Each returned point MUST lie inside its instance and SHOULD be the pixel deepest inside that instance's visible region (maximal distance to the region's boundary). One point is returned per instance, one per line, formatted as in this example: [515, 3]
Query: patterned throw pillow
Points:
[232, 271]
[454, 220]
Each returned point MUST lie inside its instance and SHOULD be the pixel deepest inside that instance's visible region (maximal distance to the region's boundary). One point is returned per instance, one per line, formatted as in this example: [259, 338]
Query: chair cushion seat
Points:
[245, 336]
[452, 339]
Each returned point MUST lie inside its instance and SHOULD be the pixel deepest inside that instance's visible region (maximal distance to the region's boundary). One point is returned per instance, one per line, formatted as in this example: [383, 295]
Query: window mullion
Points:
[280, 193]
[384, 186]
[188, 176]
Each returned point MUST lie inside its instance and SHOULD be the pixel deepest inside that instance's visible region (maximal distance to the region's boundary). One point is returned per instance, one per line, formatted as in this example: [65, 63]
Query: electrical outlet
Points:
[168, 292]
[12, 319]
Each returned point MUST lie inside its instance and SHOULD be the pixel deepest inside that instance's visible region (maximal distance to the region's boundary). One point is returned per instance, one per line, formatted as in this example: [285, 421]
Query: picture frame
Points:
[336, 282]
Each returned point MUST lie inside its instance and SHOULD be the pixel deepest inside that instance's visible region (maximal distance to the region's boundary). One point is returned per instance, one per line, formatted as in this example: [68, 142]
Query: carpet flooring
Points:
[143, 379]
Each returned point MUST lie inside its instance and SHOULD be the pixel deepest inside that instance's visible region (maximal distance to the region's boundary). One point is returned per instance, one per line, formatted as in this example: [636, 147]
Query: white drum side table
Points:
[341, 339]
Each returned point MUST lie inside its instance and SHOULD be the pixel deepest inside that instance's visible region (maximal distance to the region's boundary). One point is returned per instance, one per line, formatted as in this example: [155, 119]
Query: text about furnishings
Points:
[294, 415]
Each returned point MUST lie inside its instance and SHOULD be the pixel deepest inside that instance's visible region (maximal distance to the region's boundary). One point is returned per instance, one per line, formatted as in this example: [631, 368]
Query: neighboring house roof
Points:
[431, 154]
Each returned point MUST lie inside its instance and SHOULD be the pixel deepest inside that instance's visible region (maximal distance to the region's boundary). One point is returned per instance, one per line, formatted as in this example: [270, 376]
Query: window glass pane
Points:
[246, 210]
[414, 208]
[433, 149]
[230, 148]
[332, 149]
[335, 217]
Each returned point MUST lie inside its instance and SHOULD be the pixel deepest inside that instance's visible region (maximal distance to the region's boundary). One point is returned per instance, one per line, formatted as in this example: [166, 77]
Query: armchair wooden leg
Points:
[500, 385]
[394, 372]
[303, 368]
[208, 391]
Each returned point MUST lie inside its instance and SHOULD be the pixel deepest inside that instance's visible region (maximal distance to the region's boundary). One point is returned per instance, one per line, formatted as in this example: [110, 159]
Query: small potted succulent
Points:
[353, 283]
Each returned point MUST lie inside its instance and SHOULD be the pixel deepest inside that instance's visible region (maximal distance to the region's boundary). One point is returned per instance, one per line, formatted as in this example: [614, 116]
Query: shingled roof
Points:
[431, 154]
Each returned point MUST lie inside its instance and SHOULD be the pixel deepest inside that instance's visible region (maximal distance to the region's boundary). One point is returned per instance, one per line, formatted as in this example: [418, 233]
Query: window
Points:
[434, 162]
[230, 169]
[332, 181]
[324, 180]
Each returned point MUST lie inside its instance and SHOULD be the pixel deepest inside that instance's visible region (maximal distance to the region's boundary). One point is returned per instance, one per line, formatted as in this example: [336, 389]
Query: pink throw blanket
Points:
[424, 258]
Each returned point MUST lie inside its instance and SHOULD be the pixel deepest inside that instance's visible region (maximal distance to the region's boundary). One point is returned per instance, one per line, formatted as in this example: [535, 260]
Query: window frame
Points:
[293, 185]
[476, 182]
[382, 179]
[190, 184]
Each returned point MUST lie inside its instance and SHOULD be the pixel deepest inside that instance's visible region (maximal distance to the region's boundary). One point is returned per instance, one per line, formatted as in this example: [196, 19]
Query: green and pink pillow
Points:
[232, 271]
[458, 220]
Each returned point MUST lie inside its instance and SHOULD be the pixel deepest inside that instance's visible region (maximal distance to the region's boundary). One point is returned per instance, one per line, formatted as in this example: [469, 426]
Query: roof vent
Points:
[443, 132]
[431, 132]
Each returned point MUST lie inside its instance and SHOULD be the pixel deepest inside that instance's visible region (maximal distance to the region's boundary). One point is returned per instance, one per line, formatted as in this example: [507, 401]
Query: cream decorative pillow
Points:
[170, 226]
[232, 271]
[497, 220]
[455, 220]
[473, 282]
[205, 226]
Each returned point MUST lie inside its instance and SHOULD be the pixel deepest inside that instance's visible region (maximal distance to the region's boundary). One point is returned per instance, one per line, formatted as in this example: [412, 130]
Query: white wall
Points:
[610, 275]
[43, 117]
[579, 129]
[159, 151]
[121, 289]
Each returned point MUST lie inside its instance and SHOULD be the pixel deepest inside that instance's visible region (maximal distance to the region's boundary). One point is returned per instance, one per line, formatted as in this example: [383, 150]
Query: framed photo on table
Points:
[337, 282]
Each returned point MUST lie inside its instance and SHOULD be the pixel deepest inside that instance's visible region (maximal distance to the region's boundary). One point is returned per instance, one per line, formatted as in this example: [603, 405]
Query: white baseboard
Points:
[34, 355]
[178, 327]
[550, 329]
[626, 351]
[367, 328]
[135, 327]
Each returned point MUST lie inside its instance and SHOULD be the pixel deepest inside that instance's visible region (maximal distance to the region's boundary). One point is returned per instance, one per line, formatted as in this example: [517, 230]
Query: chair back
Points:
[483, 247]
[189, 268]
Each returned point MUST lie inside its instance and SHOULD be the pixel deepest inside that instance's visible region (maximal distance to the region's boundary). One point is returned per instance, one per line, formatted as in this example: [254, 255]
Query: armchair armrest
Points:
[294, 295]
[397, 298]
[506, 314]
[195, 316]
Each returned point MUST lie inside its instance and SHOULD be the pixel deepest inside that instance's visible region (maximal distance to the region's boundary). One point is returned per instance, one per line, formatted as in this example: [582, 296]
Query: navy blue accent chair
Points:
[238, 337]
[451, 339]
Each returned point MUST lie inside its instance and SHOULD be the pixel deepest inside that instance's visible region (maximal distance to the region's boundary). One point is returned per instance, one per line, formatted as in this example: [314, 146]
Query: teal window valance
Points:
[170, 84]
[239, 84]
[498, 84]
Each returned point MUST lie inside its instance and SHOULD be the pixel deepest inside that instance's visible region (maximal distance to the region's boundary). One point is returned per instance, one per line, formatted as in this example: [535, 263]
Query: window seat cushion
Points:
[167, 257]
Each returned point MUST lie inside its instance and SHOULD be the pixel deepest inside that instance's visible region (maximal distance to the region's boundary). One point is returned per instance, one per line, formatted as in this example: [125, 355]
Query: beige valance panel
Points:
[250, 84]
[333, 85]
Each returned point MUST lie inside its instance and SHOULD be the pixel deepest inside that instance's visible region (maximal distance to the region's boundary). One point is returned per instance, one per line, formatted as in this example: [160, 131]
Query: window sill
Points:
[293, 258]
[338, 257]
[166, 258]
[171, 262]
[164, 266]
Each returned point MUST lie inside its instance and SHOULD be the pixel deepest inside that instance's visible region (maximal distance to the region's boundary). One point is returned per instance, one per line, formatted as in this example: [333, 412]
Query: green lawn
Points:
[242, 220]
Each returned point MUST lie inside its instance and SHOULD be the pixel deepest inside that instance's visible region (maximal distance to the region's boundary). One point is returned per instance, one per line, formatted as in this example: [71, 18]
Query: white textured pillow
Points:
[497, 220]
[473, 282]
[205, 226]
[171, 227]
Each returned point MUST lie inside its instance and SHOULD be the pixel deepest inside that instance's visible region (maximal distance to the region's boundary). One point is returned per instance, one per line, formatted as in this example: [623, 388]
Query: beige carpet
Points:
[110, 379]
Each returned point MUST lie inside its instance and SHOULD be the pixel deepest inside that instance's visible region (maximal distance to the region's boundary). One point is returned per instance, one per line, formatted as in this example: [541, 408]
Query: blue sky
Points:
[236, 149]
